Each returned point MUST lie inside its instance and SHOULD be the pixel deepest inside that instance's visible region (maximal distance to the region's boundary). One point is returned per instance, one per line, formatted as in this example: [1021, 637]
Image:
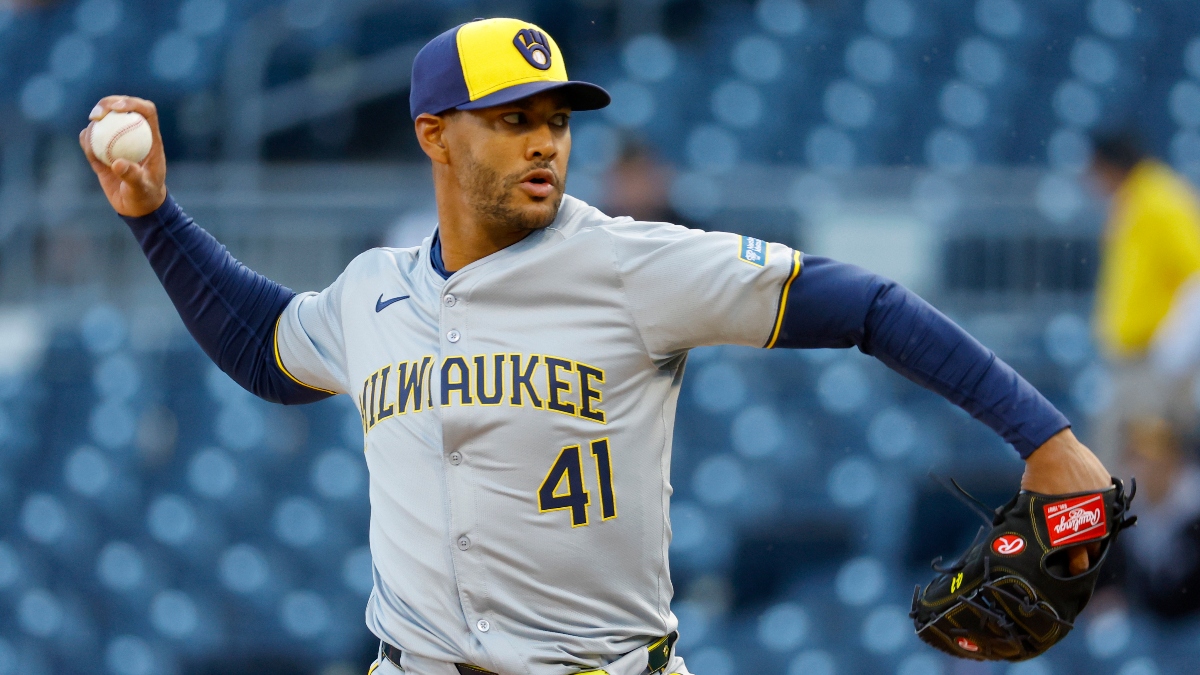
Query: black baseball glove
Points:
[1010, 596]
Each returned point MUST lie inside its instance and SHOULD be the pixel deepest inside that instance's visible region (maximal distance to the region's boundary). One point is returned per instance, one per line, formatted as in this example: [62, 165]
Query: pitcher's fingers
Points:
[141, 106]
[130, 173]
[150, 112]
[85, 142]
[122, 103]
[109, 102]
[1078, 557]
[103, 106]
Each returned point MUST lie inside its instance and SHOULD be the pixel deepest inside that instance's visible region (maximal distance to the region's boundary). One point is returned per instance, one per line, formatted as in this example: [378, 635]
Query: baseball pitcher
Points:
[518, 372]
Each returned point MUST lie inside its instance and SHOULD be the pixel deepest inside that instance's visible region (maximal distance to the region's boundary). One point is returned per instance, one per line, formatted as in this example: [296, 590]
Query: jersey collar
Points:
[435, 256]
[566, 212]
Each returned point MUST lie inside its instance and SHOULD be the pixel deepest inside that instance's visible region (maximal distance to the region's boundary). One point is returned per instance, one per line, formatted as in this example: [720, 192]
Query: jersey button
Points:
[450, 300]
[456, 458]
[483, 626]
[464, 543]
[453, 336]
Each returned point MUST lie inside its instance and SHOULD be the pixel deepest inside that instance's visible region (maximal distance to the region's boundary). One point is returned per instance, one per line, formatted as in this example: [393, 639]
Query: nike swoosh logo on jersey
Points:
[382, 304]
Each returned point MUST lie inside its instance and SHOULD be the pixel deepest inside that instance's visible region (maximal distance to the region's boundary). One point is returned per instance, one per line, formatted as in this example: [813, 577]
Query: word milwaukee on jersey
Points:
[542, 382]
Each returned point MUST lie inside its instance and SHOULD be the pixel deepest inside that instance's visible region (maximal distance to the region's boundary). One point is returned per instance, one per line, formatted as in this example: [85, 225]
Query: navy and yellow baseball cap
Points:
[490, 62]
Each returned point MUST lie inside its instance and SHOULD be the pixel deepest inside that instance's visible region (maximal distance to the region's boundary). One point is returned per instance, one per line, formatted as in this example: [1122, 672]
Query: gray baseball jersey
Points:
[518, 421]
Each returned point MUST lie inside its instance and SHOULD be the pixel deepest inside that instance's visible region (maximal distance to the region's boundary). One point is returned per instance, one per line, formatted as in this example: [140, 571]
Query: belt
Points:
[660, 656]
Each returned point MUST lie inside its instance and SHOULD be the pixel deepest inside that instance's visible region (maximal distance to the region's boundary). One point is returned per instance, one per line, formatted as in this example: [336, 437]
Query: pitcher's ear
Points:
[431, 131]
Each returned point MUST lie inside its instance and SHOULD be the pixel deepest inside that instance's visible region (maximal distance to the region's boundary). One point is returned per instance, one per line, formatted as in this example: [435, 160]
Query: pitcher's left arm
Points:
[832, 304]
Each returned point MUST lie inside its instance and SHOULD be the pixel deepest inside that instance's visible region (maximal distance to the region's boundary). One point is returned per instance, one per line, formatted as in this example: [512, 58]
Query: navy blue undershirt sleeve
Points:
[230, 310]
[835, 305]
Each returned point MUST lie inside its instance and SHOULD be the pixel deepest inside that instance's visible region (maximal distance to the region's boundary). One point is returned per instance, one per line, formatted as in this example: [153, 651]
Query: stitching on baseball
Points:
[116, 137]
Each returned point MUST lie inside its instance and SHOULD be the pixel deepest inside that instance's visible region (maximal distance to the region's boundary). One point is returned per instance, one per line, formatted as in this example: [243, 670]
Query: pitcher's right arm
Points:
[230, 310]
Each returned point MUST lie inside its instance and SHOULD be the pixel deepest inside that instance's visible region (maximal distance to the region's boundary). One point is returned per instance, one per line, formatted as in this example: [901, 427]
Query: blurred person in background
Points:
[1150, 252]
[1162, 554]
[637, 186]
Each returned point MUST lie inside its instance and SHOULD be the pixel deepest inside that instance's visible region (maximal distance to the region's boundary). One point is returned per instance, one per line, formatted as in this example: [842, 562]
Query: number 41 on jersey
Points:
[563, 489]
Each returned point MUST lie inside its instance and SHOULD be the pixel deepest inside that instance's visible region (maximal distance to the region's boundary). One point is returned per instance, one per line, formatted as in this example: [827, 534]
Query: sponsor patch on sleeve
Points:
[1076, 520]
[753, 251]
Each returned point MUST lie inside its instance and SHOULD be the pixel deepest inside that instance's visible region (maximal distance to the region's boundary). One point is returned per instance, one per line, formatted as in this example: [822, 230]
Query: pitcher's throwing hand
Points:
[133, 189]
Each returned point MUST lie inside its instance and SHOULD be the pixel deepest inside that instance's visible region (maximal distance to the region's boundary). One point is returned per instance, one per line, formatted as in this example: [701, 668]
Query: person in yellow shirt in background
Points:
[1148, 328]
[1147, 315]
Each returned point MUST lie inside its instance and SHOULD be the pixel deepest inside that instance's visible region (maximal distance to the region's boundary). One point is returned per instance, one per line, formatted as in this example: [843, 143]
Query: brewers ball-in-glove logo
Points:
[1012, 596]
[534, 47]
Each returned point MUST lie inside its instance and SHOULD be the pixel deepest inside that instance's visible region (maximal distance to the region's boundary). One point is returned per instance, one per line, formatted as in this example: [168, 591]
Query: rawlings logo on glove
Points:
[1076, 521]
[1008, 544]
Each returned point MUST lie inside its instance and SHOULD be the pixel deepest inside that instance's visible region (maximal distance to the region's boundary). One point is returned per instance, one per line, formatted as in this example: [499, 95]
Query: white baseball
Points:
[121, 135]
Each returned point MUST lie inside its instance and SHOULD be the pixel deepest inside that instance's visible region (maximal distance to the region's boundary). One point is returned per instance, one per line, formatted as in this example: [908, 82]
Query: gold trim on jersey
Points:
[279, 361]
[783, 296]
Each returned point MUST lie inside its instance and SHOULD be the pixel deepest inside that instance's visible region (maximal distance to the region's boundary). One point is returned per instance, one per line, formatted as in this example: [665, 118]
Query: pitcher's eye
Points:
[513, 118]
[559, 120]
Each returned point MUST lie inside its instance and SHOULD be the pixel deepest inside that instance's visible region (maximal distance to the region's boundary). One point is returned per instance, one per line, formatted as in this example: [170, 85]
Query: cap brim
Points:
[580, 95]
